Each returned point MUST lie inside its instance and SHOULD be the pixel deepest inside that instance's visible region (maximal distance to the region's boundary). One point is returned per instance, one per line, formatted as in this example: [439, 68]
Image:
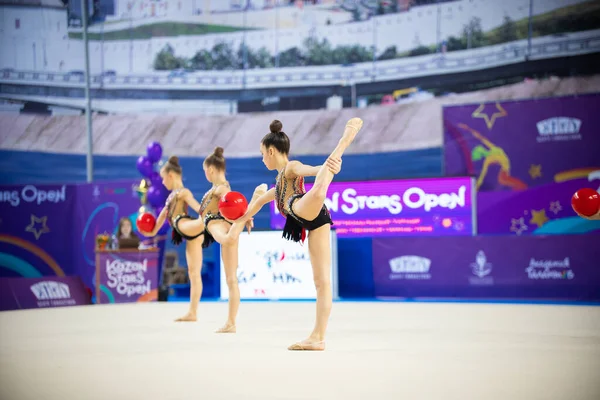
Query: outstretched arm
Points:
[189, 199]
[296, 168]
[159, 223]
[255, 207]
[477, 135]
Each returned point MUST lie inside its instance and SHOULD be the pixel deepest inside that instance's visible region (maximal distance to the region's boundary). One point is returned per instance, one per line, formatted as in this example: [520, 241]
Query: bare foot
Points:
[187, 318]
[308, 345]
[227, 328]
[352, 127]
[259, 191]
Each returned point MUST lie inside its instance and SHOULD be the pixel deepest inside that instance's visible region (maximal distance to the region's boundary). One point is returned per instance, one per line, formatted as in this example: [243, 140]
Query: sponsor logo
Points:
[558, 129]
[273, 257]
[549, 269]
[52, 294]
[410, 267]
[481, 268]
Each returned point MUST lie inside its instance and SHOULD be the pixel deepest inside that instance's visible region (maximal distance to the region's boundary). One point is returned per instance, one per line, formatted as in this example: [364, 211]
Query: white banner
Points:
[273, 268]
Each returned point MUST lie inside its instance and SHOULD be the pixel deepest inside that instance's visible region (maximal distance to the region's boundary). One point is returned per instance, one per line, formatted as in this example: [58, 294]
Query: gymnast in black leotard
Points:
[184, 227]
[304, 211]
[217, 229]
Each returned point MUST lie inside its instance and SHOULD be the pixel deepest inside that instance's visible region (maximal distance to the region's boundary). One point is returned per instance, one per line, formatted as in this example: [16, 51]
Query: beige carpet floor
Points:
[407, 351]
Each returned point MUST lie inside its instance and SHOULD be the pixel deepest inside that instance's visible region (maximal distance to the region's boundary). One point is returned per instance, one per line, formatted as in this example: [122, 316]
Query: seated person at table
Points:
[127, 239]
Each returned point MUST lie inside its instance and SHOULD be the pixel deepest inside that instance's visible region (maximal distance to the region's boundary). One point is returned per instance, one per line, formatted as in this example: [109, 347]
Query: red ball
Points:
[145, 222]
[586, 202]
[233, 205]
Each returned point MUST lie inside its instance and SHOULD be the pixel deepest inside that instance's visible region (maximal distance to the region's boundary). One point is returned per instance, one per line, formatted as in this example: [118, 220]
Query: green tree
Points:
[223, 57]
[260, 58]
[292, 58]
[473, 33]
[166, 60]
[507, 32]
[202, 60]
[419, 51]
[388, 54]
[318, 52]
[453, 44]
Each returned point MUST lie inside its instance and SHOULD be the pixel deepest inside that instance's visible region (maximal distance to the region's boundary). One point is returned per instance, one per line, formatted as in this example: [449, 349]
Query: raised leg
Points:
[309, 206]
[190, 227]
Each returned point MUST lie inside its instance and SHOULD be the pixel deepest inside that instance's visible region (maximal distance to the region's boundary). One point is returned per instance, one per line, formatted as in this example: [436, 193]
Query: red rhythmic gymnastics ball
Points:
[586, 202]
[145, 222]
[233, 205]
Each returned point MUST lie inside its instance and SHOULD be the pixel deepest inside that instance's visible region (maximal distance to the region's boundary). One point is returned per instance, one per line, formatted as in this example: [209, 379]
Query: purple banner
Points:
[543, 267]
[51, 291]
[36, 231]
[423, 207]
[514, 145]
[541, 210]
[99, 208]
[126, 276]
[50, 230]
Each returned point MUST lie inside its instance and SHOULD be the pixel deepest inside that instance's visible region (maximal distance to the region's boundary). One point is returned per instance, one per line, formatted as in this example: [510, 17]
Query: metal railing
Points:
[329, 75]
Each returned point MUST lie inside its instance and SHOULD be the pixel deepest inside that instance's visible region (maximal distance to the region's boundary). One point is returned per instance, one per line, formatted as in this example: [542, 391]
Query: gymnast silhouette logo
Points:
[481, 267]
[492, 155]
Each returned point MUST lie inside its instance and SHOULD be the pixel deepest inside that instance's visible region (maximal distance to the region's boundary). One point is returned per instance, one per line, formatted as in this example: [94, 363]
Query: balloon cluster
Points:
[151, 191]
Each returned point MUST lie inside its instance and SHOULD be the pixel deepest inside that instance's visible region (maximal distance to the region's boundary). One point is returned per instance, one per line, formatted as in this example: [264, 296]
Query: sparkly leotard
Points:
[171, 204]
[287, 191]
[285, 188]
[209, 210]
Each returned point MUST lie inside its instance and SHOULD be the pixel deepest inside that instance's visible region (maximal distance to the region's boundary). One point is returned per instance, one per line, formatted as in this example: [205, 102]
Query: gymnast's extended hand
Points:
[249, 225]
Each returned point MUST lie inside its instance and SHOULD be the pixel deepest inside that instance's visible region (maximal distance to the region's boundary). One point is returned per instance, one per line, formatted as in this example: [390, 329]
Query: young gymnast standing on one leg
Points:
[304, 211]
[217, 229]
[184, 227]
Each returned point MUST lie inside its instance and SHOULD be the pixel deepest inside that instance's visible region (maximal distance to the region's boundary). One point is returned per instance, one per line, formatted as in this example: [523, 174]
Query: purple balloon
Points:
[144, 165]
[155, 179]
[155, 197]
[154, 151]
[164, 192]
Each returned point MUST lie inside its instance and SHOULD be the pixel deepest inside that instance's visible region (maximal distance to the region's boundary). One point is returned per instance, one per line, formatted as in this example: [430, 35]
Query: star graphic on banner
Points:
[555, 207]
[35, 228]
[517, 225]
[538, 217]
[490, 119]
[535, 171]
